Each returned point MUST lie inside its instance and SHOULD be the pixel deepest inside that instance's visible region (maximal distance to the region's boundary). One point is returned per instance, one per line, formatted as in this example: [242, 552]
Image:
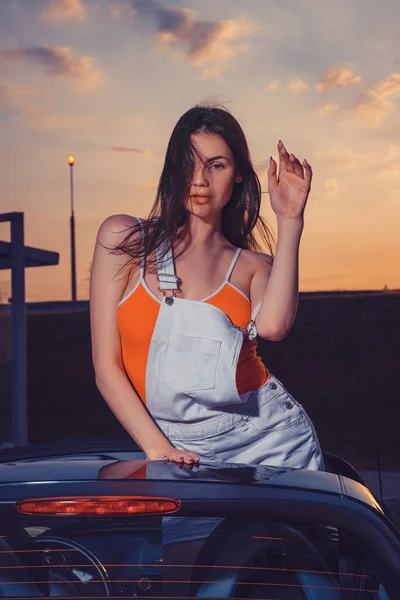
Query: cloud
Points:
[272, 85]
[333, 187]
[328, 109]
[373, 106]
[53, 121]
[347, 158]
[337, 77]
[64, 10]
[17, 97]
[31, 104]
[393, 152]
[127, 149]
[208, 45]
[296, 86]
[389, 172]
[28, 103]
[58, 62]
[118, 9]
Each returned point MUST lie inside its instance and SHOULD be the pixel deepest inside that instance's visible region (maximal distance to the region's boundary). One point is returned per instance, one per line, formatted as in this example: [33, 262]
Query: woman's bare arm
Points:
[288, 193]
[106, 290]
[277, 286]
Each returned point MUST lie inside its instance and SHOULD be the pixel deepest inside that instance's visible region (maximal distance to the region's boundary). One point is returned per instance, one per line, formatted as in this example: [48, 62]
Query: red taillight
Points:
[99, 506]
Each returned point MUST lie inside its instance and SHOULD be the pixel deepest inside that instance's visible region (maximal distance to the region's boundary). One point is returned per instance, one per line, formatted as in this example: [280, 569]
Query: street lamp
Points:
[71, 162]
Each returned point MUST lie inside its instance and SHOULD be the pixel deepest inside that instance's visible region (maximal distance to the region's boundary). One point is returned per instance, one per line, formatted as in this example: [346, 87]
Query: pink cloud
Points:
[208, 45]
[373, 105]
[64, 10]
[58, 62]
[337, 77]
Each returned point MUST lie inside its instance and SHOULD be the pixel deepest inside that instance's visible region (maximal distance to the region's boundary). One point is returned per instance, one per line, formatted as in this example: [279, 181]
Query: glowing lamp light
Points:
[99, 506]
[71, 159]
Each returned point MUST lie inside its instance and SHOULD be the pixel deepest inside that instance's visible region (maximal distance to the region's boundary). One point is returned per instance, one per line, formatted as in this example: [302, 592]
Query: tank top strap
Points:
[232, 265]
[167, 279]
[251, 328]
[255, 311]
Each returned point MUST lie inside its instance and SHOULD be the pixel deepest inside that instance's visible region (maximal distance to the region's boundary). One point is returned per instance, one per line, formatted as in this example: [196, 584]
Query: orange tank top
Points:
[137, 316]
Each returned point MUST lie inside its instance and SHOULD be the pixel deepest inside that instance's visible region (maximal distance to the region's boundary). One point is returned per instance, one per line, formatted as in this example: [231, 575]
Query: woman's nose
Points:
[199, 177]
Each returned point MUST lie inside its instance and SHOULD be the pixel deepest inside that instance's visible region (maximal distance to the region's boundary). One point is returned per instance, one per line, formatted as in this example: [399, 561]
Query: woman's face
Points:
[214, 175]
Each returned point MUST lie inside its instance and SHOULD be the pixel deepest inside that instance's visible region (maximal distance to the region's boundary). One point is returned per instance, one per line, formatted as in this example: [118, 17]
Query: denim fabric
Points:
[191, 390]
[270, 428]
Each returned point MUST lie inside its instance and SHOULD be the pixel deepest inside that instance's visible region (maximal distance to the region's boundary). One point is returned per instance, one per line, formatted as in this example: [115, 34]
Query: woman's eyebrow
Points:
[217, 157]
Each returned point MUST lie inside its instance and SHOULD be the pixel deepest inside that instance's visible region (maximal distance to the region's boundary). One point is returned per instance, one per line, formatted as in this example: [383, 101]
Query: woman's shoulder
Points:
[256, 260]
[116, 227]
[117, 222]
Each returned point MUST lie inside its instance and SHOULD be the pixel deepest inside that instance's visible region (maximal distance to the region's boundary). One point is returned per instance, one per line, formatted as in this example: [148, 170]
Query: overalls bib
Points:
[192, 395]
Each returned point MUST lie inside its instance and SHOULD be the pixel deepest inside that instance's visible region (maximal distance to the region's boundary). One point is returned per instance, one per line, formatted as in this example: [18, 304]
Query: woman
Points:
[178, 299]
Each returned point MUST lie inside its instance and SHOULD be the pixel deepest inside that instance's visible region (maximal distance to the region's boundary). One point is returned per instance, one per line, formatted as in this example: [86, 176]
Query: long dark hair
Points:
[240, 215]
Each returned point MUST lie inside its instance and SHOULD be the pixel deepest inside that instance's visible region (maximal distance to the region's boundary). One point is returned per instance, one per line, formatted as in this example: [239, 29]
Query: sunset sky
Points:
[107, 80]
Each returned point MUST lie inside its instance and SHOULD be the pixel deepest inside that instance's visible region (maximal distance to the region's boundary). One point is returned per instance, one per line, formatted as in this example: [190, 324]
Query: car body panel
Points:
[88, 469]
[233, 492]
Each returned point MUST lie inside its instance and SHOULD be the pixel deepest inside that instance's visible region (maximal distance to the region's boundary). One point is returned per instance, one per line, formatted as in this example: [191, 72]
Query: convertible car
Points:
[93, 519]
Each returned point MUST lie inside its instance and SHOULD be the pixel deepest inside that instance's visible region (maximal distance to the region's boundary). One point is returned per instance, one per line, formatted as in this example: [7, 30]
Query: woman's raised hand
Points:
[288, 190]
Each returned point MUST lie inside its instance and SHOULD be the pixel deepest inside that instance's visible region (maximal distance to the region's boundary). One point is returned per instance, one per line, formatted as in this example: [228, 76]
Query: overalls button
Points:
[273, 386]
[169, 300]
[289, 404]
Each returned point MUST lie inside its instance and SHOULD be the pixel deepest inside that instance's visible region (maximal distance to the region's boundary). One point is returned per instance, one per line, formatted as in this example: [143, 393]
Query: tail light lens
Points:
[99, 506]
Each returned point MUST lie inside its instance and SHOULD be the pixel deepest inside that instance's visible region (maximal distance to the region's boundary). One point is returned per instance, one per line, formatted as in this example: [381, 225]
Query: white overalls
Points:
[192, 395]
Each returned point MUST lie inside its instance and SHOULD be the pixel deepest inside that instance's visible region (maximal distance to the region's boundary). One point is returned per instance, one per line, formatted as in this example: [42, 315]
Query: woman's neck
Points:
[198, 237]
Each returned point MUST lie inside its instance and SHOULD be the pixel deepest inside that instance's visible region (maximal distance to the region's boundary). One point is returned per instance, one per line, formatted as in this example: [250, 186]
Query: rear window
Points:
[185, 557]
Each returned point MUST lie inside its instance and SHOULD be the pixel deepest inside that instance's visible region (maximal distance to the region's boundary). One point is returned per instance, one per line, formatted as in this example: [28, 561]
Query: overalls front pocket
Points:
[190, 362]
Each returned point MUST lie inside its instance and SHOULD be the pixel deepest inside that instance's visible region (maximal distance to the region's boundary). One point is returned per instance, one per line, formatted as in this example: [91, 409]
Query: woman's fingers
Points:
[298, 169]
[308, 172]
[272, 174]
[182, 456]
[289, 162]
[284, 158]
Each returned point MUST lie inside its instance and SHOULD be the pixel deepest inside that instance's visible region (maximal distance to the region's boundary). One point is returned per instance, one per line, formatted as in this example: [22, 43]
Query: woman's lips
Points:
[200, 198]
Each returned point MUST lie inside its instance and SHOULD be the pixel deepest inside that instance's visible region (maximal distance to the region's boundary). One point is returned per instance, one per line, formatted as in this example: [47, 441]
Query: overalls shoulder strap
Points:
[167, 279]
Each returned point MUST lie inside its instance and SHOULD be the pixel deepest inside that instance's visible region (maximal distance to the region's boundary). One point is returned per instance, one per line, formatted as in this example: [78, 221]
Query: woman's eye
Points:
[218, 165]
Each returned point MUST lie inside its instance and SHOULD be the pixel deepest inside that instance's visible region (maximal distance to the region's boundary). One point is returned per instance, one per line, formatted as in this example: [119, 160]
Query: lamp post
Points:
[71, 162]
